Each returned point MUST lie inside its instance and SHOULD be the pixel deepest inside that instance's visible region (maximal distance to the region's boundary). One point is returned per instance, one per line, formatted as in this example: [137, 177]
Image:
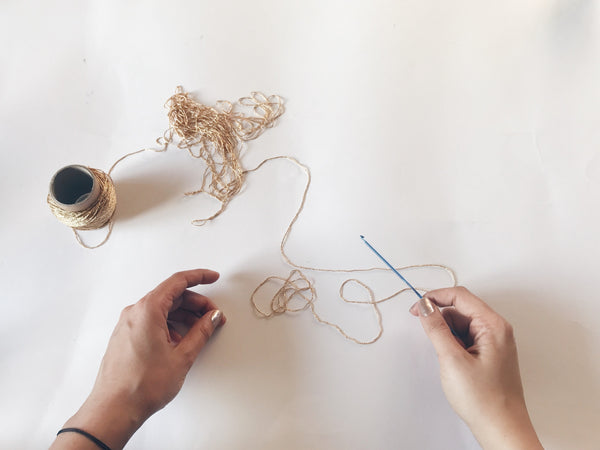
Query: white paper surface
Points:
[462, 133]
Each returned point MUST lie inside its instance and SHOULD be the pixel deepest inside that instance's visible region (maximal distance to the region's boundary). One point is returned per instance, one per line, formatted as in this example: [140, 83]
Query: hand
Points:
[147, 359]
[479, 368]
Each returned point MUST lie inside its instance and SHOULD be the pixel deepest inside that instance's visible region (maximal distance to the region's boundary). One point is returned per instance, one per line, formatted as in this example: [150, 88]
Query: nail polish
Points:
[425, 307]
[216, 318]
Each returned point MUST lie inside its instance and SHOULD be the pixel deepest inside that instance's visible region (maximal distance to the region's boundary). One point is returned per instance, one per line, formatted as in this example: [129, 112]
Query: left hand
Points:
[147, 359]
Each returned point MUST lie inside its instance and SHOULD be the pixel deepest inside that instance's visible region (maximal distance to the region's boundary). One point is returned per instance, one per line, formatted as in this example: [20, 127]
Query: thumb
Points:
[200, 332]
[436, 327]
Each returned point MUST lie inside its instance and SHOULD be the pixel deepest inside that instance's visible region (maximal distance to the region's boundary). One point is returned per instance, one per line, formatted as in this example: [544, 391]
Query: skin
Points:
[479, 369]
[146, 361]
[157, 340]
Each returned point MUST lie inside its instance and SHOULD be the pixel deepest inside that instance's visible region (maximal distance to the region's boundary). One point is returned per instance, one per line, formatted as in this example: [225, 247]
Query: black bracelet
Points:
[94, 439]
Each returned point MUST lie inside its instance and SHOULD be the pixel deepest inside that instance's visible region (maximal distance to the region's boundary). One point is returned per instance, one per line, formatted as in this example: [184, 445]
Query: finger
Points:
[457, 321]
[173, 287]
[437, 329]
[199, 334]
[192, 301]
[174, 335]
[459, 326]
[187, 318]
[462, 299]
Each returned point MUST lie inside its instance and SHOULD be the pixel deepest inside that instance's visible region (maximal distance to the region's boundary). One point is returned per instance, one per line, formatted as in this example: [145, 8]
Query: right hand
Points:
[479, 368]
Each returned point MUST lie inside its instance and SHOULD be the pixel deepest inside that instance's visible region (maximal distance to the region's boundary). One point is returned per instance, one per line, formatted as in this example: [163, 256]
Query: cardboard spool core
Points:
[74, 188]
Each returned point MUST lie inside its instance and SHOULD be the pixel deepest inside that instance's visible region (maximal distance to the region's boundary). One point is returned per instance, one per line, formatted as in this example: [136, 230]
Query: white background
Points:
[459, 132]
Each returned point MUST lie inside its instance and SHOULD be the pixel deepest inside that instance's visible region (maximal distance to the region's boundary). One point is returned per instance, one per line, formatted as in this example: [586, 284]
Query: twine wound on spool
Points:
[83, 198]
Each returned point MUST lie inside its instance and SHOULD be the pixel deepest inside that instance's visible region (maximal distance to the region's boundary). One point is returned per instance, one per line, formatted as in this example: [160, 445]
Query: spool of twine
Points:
[81, 197]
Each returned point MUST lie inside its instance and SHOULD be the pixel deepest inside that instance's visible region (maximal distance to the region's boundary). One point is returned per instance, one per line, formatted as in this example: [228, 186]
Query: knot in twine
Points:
[295, 286]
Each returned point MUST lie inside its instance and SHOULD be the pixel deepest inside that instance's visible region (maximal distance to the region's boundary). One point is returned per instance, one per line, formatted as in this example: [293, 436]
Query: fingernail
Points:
[413, 308]
[425, 307]
[216, 318]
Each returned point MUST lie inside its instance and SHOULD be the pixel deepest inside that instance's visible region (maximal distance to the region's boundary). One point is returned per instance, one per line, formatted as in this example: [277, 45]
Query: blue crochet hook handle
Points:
[390, 266]
[399, 274]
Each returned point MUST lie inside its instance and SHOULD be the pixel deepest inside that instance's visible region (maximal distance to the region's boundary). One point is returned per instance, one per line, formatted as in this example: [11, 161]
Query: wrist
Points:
[111, 420]
[509, 427]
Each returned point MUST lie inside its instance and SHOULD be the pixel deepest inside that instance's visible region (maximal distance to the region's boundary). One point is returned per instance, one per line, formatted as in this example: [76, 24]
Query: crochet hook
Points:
[401, 277]
[391, 267]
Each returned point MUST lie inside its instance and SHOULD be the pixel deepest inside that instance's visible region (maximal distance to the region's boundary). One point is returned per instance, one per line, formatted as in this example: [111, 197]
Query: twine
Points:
[97, 215]
[297, 288]
[216, 135]
[213, 134]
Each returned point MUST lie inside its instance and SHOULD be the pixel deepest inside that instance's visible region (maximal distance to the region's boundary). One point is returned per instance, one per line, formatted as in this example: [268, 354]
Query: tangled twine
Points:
[217, 134]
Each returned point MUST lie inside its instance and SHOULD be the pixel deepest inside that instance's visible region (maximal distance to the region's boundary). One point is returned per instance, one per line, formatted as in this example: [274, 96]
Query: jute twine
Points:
[215, 135]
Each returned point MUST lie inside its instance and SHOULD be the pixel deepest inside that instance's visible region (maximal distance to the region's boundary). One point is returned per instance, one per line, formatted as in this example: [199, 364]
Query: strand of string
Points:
[298, 287]
[107, 179]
